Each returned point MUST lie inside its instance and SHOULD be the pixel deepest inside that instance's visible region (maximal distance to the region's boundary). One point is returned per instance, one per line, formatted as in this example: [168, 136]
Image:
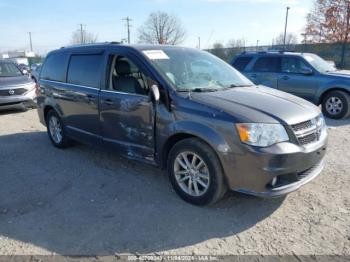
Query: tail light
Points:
[37, 88]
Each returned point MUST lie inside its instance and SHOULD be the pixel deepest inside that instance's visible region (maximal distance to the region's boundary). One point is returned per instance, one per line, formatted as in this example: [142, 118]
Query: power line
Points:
[128, 25]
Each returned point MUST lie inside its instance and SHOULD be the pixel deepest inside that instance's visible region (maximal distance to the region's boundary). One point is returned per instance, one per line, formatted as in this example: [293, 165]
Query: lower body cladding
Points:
[24, 101]
[276, 170]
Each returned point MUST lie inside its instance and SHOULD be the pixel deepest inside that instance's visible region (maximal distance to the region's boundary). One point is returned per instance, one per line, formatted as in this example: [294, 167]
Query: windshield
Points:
[319, 64]
[9, 70]
[194, 70]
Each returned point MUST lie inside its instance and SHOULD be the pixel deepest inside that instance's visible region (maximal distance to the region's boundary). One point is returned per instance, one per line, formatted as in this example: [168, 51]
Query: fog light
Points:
[274, 181]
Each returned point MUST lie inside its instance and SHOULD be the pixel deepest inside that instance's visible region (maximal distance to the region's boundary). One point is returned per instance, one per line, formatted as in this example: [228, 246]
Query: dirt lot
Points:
[84, 201]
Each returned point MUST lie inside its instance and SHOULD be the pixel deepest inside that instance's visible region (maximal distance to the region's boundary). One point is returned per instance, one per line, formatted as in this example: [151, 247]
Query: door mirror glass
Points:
[155, 93]
[306, 71]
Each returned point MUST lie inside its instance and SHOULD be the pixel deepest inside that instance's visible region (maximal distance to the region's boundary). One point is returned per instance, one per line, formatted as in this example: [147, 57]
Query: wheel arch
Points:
[331, 89]
[193, 130]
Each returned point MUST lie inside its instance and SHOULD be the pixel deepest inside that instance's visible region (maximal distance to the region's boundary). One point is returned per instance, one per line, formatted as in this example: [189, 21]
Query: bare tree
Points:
[83, 37]
[219, 50]
[291, 39]
[328, 22]
[162, 28]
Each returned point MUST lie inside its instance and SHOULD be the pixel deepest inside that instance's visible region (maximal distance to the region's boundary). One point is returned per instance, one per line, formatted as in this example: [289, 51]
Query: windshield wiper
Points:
[233, 85]
[199, 89]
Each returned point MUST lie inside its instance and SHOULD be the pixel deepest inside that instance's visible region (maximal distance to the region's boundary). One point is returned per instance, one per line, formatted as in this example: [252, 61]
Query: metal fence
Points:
[331, 52]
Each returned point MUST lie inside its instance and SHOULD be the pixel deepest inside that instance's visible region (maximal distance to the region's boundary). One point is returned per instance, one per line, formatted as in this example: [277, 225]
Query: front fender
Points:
[336, 84]
[204, 132]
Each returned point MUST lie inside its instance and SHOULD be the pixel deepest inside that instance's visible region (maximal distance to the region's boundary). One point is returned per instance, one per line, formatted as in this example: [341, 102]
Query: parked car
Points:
[301, 74]
[17, 90]
[184, 110]
[35, 73]
[24, 68]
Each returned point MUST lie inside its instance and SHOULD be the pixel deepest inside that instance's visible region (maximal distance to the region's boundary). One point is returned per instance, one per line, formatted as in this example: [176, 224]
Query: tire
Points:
[336, 105]
[209, 174]
[61, 140]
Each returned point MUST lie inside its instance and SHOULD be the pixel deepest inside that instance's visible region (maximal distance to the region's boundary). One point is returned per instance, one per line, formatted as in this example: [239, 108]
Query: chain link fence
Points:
[330, 52]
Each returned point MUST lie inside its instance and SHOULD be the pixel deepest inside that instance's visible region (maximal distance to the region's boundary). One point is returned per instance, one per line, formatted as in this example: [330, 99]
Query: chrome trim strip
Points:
[122, 93]
[65, 83]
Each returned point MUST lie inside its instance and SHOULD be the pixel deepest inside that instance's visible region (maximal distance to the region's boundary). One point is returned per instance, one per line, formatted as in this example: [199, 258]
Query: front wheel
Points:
[336, 105]
[195, 172]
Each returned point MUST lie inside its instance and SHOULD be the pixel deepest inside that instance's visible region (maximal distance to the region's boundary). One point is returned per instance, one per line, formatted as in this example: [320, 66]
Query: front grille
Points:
[302, 125]
[13, 92]
[307, 132]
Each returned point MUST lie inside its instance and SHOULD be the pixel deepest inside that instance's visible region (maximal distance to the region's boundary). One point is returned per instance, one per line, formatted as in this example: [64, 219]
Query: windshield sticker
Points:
[155, 54]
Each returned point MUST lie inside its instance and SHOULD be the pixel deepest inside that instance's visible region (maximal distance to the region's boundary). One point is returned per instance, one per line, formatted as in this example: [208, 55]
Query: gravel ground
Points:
[82, 201]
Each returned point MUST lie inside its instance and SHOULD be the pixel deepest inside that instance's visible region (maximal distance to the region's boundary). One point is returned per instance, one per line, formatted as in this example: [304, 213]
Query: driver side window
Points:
[292, 65]
[126, 77]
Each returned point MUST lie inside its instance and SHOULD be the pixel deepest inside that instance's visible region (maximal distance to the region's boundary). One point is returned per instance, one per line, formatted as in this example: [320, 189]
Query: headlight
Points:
[262, 135]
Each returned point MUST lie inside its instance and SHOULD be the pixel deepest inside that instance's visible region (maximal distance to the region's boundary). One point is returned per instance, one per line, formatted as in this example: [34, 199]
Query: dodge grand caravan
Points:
[184, 110]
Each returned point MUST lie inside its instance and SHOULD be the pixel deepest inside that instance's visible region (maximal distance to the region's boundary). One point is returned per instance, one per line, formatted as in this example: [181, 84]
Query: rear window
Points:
[267, 64]
[85, 70]
[55, 67]
[241, 62]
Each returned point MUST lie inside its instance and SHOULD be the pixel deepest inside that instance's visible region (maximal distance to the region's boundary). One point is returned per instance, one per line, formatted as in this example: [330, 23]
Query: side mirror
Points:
[25, 72]
[155, 93]
[306, 71]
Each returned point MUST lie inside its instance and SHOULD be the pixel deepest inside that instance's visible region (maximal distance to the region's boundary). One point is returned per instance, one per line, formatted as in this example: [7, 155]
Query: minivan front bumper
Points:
[276, 170]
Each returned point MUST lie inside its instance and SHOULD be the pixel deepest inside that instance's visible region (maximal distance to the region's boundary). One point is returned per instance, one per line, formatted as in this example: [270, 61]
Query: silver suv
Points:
[302, 74]
[17, 90]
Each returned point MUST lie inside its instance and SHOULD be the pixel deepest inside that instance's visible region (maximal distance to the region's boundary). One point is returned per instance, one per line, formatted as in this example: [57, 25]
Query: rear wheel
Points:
[195, 172]
[55, 130]
[336, 105]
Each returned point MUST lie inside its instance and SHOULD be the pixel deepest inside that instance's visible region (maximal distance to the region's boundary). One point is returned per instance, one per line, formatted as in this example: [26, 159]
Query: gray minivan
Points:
[186, 111]
[302, 74]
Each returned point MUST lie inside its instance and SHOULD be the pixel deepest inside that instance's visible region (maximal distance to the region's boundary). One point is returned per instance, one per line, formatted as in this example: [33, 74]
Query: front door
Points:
[296, 77]
[126, 110]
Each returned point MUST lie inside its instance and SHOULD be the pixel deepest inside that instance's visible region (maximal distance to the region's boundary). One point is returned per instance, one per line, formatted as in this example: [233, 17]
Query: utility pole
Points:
[81, 34]
[285, 29]
[199, 42]
[128, 20]
[30, 41]
[257, 45]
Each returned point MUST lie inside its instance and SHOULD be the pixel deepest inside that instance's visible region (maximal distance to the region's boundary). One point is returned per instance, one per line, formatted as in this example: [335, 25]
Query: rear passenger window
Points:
[55, 67]
[241, 62]
[267, 64]
[85, 70]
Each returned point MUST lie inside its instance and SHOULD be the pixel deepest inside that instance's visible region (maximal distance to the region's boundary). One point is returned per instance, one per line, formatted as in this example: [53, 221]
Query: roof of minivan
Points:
[114, 44]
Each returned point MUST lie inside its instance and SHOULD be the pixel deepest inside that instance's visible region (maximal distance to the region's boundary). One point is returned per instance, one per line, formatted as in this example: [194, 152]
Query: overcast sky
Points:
[52, 22]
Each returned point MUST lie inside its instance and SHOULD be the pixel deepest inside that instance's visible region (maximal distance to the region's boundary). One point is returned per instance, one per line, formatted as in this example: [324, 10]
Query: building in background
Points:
[19, 57]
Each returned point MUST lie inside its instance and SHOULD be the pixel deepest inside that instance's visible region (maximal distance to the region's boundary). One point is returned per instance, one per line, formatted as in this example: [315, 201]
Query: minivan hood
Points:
[259, 104]
[5, 82]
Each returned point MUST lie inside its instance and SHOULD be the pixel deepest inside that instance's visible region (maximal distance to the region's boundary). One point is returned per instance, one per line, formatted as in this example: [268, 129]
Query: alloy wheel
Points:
[191, 173]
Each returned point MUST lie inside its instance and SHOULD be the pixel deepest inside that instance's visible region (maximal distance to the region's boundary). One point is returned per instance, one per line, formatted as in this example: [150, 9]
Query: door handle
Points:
[108, 102]
[285, 77]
